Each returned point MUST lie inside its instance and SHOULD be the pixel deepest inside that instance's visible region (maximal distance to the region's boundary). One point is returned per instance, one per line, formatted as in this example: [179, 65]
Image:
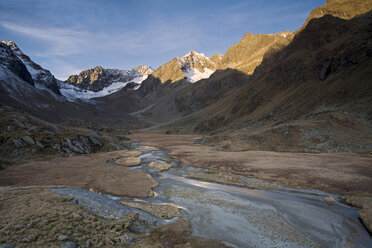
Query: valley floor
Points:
[344, 173]
[169, 192]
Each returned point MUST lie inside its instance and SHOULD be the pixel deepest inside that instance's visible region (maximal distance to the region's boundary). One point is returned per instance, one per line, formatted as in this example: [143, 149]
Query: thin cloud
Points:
[60, 41]
[64, 47]
[64, 41]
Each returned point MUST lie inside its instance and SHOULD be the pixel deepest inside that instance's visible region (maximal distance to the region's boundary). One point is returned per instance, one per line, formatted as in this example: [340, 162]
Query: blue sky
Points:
[68, 36]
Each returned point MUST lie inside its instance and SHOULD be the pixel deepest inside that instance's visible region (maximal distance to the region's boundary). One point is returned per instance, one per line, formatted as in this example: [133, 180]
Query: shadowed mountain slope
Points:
[315, 87]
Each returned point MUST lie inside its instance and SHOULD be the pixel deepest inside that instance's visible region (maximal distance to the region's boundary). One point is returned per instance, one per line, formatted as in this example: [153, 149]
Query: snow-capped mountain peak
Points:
[196, 66]
[99, 82]
[43, 78]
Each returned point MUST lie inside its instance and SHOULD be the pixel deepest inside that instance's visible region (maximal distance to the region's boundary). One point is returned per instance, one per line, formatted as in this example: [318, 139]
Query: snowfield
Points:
[72, 92]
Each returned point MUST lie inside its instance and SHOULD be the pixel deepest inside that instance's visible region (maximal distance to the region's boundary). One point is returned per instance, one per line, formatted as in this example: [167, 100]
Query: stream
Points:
[245, 217]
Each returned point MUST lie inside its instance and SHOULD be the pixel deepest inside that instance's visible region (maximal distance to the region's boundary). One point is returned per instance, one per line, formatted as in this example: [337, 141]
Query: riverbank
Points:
[341, 173]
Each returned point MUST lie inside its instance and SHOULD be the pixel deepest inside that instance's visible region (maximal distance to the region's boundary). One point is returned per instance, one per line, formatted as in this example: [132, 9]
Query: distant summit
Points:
[192, 66]
[99, 82]
[97, 78]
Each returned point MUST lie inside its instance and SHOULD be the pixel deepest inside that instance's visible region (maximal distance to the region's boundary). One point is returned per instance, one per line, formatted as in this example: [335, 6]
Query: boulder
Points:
[69, 245]
[41, 144]
[366, 216]
[128, 161]
[330, 200]
[28, 140]
[160, 166]
[62, 237]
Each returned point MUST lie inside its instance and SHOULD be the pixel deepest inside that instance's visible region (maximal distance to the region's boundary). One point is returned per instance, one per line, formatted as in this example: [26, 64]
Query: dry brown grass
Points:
[46, 215]
[345, 173]
[84, 171]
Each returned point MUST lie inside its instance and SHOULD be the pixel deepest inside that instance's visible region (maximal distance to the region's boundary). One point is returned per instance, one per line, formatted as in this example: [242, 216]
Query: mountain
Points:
[26, 92]
[244, 56]
[98, 82]
[302, 91]
[42, 77]
[192, 67]
[312, 95]
[249, 52]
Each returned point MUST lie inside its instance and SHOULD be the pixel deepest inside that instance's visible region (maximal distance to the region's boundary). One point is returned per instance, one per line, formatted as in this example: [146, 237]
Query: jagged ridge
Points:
[42, 77]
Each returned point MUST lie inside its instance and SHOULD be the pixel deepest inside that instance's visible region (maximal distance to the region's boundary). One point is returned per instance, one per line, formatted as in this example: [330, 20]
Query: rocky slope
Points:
[249, 52]
[42, 77]
[23, 136]
[192, 67]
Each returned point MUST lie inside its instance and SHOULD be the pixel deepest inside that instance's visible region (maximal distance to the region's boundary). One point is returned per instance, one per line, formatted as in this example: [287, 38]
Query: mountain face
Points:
[251, 49]
[99, 82]
[98, 78]
[192, 67]
[244, 56]
[42, 77]
[11, 65]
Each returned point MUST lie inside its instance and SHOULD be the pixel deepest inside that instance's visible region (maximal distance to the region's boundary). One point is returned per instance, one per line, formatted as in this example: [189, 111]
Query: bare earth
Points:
[344, 173]
[84, 171]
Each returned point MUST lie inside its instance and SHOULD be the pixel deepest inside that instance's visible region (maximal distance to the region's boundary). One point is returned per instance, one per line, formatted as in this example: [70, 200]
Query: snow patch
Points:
[194, 75]
[140, 79]
[284, 35]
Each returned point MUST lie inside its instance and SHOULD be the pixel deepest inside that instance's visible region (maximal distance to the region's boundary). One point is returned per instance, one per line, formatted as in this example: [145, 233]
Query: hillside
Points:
[304, 94]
